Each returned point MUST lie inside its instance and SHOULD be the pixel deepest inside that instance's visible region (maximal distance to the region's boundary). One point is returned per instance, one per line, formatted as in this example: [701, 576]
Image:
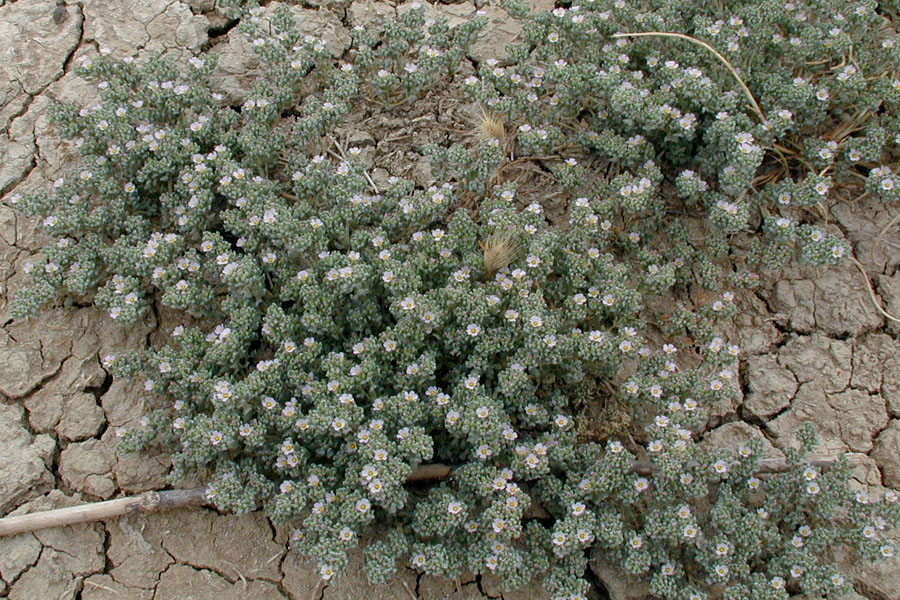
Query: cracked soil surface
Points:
[814, 348]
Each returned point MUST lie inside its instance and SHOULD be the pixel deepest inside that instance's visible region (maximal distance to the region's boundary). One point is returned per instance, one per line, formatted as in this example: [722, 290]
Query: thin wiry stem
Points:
[872, 296]
[884, 231]
[724, 60]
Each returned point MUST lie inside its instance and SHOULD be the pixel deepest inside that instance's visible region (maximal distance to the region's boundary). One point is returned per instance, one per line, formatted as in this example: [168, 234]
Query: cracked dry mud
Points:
[814, 347]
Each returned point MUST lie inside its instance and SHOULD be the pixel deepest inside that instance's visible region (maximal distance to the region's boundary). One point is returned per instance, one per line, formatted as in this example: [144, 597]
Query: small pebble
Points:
[60, 14]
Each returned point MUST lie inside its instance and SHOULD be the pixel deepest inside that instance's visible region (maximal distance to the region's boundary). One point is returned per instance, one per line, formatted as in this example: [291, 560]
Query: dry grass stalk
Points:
[872, 296]
[731, 69]
[882, 233]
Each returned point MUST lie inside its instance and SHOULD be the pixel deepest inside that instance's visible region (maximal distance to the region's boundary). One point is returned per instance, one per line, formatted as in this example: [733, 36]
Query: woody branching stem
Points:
[157, 501]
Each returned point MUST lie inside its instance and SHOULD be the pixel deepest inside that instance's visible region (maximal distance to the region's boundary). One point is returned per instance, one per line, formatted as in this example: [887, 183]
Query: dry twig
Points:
[85, 513]
[409, 591]
[316, 590]
[102, 587]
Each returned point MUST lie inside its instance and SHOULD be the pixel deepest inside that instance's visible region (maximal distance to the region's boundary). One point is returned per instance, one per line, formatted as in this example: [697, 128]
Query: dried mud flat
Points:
[814, 346]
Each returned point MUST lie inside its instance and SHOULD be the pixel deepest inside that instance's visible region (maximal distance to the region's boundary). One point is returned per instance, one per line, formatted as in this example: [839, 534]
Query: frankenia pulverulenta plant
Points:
[338, 338]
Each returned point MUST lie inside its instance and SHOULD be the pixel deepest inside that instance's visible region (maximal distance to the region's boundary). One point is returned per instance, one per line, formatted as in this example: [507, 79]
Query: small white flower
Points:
[483, 452]
[461, 275]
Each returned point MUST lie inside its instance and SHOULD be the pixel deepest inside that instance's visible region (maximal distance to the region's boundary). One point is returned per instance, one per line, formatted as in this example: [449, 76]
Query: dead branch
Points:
[146, 502]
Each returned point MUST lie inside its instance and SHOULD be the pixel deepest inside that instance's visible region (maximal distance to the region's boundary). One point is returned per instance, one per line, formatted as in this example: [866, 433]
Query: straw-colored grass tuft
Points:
[489, 126]
[500, 250]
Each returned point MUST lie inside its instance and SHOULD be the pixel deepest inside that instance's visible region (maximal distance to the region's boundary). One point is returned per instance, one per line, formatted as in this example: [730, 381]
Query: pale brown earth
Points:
[814, 347]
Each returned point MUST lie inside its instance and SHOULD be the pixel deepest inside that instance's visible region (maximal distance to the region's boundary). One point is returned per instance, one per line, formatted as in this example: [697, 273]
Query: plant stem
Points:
[734, 72]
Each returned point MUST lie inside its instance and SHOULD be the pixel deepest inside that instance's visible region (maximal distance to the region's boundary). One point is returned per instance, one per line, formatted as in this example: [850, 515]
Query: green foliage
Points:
[336, 336]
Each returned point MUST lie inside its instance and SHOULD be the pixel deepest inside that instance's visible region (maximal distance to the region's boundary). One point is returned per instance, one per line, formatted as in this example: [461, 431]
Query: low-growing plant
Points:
[338, 336]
